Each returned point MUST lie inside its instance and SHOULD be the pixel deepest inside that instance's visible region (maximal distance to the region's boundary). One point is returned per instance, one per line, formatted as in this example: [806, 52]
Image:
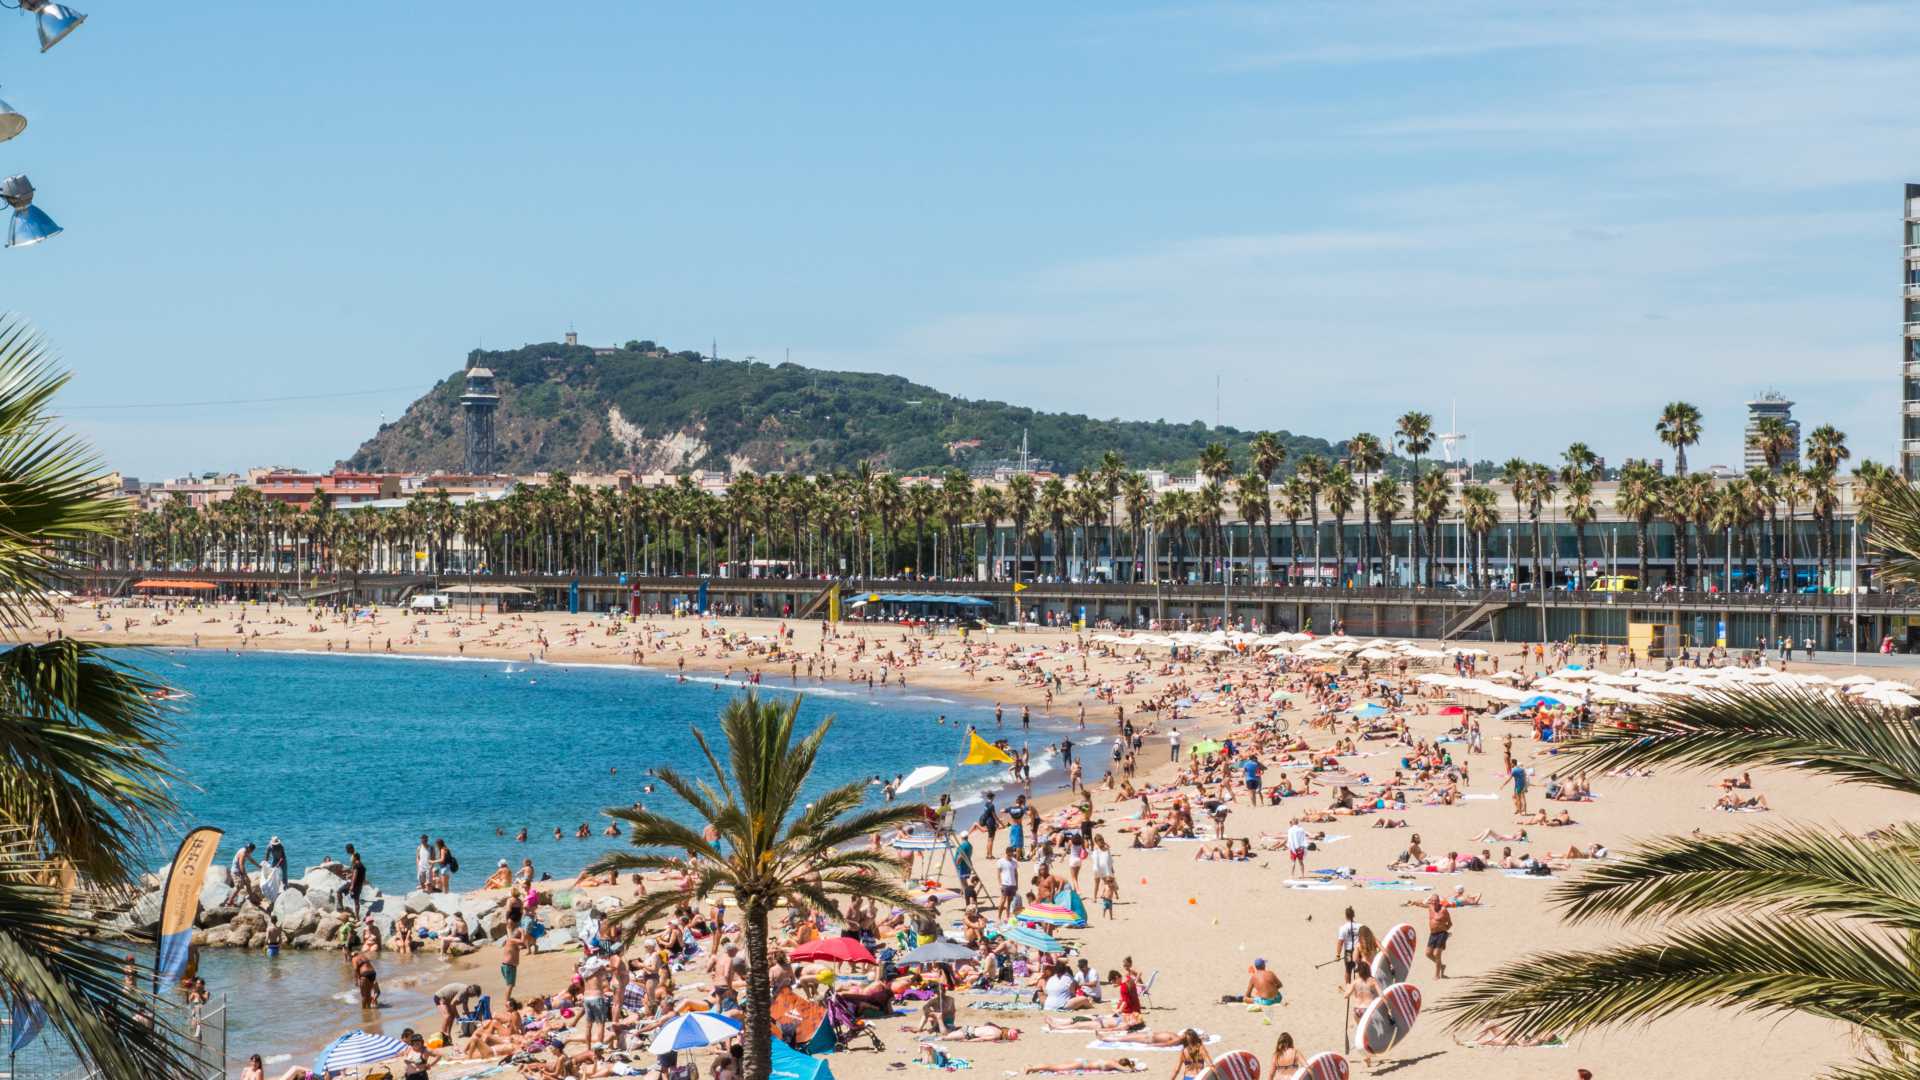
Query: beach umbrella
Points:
[937, 952]
[1050, 914]
[357, 1048]
[1032, 939]
[1368, 711]
[690, 1031]
[833, 948]
[920, 777]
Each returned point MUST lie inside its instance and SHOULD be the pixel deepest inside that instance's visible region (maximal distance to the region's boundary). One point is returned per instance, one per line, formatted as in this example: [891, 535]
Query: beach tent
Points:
[1070, 899]
[790, 1064]
[805, 1022]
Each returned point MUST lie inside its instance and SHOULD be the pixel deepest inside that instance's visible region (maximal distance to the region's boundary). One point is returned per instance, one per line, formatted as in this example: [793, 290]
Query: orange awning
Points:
[155, 583]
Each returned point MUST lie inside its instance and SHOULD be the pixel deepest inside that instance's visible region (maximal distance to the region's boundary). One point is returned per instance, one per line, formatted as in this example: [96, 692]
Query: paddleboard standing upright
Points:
[1395, 961]
[1325, 1066]
[1388, 1019]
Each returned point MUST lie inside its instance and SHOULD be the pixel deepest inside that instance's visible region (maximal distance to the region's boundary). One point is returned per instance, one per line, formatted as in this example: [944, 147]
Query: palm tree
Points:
[1480, 514]
[956, 505]
[82, 784]
[1765, 495]
[1111, 471]
[1312, 474]
[1020, 505]
[1341, 495]
[1364, 457]
[1432, 493]
[1251, 503]
[1540, 491]
[1413, 432]
[1679, 427]
[1791, 919]
[1174, 512]
[1582, 507]
[1389, 499]
[1054, 507]
[773, 841]
[1136, 494]
[1638, 500]
[1516, 473]
[1216, 462]
[1293, 506]
[1265, 454]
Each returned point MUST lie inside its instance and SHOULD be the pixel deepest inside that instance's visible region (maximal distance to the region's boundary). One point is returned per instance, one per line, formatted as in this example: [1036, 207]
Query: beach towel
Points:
[1481, 798]
[1398, 886]
[1313, 886]
[1526, 874]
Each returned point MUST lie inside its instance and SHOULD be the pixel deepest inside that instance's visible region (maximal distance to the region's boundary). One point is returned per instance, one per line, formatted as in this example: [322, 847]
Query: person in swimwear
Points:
[1263, 986]
[1082, 1065]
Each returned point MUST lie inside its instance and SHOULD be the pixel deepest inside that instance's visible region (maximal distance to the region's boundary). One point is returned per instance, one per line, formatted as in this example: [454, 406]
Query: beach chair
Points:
[482, 1010]
[1146, 988]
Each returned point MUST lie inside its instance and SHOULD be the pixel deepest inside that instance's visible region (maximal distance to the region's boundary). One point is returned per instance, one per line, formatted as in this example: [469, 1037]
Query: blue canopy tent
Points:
[790, 1064]
[926, 603]
[1069, 899]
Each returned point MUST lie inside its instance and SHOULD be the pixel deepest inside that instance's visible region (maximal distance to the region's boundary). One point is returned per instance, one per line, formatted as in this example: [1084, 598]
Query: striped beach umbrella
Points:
[1032, 939]
[1050, 914]
[357, 1048]
[692, 1030]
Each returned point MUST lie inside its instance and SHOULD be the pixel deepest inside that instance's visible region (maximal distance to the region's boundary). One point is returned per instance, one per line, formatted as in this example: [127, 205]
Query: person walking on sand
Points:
[1439, 930]
[1173, 745]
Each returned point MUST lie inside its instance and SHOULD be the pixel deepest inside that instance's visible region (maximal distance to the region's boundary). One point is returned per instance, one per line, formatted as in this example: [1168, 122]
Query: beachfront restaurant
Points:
[887, 607]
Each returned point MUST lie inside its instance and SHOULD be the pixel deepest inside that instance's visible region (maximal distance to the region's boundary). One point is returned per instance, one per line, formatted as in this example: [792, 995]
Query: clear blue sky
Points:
[1563, 215]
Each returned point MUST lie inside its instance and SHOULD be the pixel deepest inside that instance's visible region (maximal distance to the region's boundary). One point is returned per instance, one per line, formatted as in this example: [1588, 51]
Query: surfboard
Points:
[1327, 1066]
[1395, 961]
[1388, 1019]
[1238, 1065]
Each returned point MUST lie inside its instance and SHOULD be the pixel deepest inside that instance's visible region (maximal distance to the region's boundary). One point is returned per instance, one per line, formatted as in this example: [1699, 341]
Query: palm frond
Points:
[53, 953]
[1849, 973]
[1850, 740]
[80, 742]
[1796, 871]
[1895, 533]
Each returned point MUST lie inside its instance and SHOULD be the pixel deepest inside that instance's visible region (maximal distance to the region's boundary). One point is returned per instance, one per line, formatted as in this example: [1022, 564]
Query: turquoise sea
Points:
[325, 750]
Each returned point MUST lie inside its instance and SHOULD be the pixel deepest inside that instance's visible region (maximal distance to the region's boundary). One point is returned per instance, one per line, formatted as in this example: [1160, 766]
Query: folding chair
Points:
[1146, 988]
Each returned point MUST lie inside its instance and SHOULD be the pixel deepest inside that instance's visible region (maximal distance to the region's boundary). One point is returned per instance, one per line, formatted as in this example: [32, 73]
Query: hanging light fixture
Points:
[30, 224]
[56, 20]
[11, 122]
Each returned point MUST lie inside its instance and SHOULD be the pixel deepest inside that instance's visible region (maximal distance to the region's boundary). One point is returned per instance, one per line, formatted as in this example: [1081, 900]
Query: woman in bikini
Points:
[1082, 1065]
[1193, 1062]
[1285, 1056]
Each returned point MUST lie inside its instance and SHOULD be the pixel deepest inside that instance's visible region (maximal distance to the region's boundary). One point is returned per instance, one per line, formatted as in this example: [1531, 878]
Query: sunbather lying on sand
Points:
[1389, 823]
[1498, 1035]
[1731, 801]
[984, 1033]
[1541, 817]
[1460, 898]
[1494, 834]
[1082, 1065]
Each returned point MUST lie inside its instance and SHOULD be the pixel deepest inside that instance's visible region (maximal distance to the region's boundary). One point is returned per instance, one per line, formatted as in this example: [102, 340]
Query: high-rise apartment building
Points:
[1910, 334]
[1770, 404]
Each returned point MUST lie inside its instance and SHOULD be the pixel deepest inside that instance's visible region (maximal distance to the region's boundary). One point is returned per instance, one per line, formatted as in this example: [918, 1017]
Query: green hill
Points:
[642, 408]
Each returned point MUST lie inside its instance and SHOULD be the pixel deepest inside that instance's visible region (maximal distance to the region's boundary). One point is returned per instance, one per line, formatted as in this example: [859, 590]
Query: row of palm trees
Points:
[865, 522]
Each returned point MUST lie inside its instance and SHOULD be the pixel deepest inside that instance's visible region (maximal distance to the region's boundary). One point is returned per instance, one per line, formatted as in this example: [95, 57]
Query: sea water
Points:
[323, 750]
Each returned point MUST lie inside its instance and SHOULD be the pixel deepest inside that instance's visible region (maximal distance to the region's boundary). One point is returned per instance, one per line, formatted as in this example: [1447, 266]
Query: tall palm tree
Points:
[1111, 472]
[1341, 495]
[1540, 491]
[1365, 455]
[1265, 455]
[1637, 498]
[1791, 919]
[1216, 462]
[1174, 512]
[1054, 506]
[1582, 508]
[1389, 501]
[1251, 503]
[1480, 514]
[83, 786]
[1136, 496]
[1679, 427]
[1413, 432]
[1312, 473]
[1020, 498]
[1293, 506]
[1432, 494]
[773, 841]
[1517, 473]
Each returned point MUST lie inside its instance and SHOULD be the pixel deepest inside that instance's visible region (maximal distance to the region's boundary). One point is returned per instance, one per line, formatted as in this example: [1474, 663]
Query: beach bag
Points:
[536, 929]
[453, 864]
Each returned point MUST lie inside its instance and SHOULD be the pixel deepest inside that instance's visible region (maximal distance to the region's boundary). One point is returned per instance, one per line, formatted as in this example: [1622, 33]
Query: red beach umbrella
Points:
[844, 949]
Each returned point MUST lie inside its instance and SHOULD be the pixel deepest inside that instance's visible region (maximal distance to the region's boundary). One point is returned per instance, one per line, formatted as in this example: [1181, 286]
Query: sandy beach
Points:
[1199, 924]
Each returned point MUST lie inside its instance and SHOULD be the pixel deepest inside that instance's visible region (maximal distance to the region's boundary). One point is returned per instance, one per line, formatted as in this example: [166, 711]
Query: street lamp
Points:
[30, 224]
[56, 20]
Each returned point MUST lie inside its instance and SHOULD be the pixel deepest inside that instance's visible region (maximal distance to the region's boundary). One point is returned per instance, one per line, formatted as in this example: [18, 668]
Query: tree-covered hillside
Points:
[564, 407]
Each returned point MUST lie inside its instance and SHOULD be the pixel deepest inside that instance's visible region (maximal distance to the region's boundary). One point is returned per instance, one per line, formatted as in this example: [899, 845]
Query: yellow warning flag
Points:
[1019, 586]
[982, 752]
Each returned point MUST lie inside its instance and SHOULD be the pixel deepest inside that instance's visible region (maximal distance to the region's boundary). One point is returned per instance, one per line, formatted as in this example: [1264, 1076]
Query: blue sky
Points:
[1561, 215]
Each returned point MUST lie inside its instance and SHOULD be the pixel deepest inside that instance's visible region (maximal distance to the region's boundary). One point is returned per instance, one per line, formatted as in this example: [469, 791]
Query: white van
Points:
[430, 602]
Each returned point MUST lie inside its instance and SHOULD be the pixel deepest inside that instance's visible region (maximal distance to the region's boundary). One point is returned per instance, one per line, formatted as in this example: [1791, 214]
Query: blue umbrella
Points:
[357, 1048]
[691, 1030]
